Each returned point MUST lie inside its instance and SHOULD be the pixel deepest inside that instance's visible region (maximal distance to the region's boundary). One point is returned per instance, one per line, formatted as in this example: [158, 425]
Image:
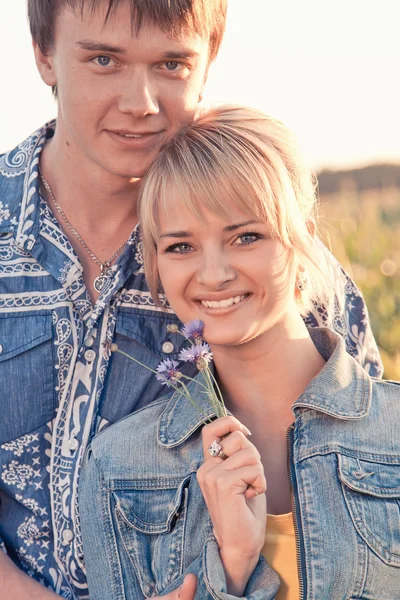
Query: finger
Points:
[188, 588]
[186, 591]
[235, 442]
[245, 457]
[252, 492]
[218, 429]
[218, 482]
[242, 458]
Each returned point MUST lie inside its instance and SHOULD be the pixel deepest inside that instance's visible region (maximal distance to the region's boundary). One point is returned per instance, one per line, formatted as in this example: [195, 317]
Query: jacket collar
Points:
[341, 389]
[181, 418]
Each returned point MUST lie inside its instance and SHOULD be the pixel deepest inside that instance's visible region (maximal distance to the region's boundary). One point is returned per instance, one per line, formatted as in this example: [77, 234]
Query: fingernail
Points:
[245, 430]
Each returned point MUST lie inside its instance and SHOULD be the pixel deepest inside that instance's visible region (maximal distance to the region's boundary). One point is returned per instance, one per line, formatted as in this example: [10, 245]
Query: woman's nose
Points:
[215, 271]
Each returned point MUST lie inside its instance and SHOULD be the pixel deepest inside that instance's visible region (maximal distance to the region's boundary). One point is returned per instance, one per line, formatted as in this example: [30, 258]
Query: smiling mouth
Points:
[224, 303]
[136, 136]
[131, 135]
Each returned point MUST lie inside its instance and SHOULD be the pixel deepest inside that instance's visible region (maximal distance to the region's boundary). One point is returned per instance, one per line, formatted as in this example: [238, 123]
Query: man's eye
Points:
[172, 65]
[102, 61]
[181, 248]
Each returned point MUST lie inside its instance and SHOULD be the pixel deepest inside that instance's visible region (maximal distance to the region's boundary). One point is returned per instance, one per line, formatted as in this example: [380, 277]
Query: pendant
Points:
[99, 282]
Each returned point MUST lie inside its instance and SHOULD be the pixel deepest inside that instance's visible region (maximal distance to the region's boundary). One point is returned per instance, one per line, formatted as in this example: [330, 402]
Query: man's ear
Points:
[45, 65]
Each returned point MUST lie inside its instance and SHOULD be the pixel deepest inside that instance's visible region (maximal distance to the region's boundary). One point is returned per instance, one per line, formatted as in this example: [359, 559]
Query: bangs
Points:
[214, 168]
[170, 17]
[197, 192]
[207, 18]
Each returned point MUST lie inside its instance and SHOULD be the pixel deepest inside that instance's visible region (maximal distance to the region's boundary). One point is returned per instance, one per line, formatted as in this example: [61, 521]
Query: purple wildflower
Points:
[168, 373]
[196, 352]
[193, 330]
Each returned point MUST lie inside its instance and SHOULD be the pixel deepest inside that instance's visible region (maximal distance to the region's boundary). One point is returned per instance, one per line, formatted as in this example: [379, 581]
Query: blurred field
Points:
[362, 227]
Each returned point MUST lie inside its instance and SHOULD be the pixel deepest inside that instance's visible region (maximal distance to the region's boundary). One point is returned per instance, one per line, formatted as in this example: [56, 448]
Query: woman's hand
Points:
[234, 491]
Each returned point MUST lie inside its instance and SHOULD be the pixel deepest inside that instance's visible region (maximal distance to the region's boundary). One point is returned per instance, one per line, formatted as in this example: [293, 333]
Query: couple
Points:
[127, 75]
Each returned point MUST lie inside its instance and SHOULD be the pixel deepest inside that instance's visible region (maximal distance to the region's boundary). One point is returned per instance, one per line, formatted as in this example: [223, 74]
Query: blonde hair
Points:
[237, 154]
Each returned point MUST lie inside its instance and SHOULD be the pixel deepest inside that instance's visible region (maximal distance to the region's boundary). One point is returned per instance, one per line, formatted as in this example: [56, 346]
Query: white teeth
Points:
[223, 303]
[128, 135]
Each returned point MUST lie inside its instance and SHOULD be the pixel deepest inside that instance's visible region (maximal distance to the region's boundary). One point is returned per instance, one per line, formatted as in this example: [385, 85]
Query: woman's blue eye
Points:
[248, 238]
[103, 61]
[178, 248]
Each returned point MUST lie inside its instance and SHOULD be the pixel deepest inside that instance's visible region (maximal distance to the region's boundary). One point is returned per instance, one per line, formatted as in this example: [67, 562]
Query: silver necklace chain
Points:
[104, 266]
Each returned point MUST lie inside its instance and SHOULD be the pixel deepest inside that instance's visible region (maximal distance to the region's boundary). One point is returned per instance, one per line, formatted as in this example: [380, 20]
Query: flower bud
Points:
[201, 364]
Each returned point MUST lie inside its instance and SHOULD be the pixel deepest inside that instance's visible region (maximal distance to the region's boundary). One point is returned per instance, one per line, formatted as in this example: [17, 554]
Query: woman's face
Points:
[231, 274]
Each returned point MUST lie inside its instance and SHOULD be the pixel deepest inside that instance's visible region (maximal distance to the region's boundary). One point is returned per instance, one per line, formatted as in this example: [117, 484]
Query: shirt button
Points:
[73, 444]
[1, 348]
[67, 536]
[90, 355]
[89, 341]
[167, 347]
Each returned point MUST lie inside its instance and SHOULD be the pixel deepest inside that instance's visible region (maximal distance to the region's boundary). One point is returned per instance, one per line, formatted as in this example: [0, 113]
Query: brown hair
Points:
[205, 17]
[234, 154]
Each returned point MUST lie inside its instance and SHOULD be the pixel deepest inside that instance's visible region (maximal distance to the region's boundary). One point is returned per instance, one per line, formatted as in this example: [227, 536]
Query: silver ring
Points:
[215, 450]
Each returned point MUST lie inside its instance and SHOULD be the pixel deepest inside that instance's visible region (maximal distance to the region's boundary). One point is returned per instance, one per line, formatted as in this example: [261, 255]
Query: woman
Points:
[229, 235]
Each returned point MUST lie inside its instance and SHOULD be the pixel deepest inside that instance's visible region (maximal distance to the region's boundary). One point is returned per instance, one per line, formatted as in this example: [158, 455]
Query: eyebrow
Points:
[182, 54]
[94, 46]
[230, 228]
[186, 234]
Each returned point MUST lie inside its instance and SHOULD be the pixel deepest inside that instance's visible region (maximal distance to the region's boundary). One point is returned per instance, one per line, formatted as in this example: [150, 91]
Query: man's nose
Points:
[139, 96]
[215, 271]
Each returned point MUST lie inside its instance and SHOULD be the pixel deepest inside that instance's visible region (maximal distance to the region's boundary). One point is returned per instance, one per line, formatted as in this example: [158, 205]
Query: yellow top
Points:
[280, 552]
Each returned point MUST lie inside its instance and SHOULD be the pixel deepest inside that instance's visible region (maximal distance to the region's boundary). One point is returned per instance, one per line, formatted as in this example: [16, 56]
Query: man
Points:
[127, 73]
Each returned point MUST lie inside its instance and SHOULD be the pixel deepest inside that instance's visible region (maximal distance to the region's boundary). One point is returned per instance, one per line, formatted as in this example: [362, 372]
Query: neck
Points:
[261, 379]
[96, 201]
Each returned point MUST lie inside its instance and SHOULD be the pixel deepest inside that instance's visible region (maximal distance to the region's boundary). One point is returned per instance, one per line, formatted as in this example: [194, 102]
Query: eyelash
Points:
[255, 234]
[179, 66]
[95, 58]
[173, 249]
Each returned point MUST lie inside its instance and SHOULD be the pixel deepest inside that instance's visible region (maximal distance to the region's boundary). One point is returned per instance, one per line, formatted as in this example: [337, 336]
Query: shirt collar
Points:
[341, 389]
[20, 171]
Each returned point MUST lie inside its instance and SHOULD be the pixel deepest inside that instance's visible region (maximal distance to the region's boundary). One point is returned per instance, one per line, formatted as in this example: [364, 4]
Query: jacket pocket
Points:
[151, 517]
[372, 494]
[26, 374]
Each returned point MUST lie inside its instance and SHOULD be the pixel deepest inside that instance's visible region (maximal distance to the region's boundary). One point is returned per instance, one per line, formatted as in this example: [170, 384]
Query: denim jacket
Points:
[145, 524]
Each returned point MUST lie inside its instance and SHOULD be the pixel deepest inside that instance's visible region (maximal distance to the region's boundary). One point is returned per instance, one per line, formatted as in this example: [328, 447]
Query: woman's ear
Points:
[312, 227]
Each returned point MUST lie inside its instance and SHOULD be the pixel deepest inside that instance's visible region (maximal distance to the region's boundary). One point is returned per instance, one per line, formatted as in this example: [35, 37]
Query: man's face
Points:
[121, 93]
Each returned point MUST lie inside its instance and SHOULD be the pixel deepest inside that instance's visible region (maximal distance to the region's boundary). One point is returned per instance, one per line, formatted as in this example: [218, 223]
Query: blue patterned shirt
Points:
[58, 384]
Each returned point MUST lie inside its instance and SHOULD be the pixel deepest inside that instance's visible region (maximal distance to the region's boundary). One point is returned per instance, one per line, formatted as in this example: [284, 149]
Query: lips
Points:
[135, 134]
[144, 140]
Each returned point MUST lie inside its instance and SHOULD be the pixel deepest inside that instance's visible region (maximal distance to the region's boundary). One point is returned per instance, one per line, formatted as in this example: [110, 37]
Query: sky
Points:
[329, 70]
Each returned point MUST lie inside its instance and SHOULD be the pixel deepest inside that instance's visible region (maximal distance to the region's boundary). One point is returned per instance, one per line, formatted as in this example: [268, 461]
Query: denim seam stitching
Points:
[112, 546]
